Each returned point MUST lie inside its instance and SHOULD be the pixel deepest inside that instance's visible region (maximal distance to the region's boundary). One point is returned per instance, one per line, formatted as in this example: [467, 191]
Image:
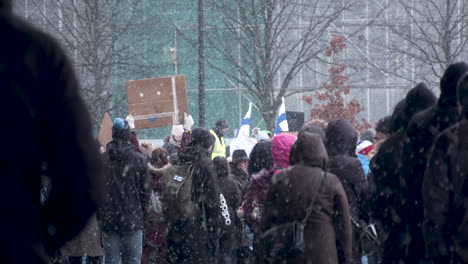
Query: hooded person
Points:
[420, 134]
[445, 190]
[218, 132]
[385, 180]
[46, 124]
[327, 231]
[314, 129]
[341, 142]
[254, 199]
[172, 146]
[123, 216]
[196, 239]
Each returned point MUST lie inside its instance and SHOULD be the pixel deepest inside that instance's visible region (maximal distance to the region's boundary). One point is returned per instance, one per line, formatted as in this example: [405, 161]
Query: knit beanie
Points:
[364, 147]
[121, 130]
[177, 130]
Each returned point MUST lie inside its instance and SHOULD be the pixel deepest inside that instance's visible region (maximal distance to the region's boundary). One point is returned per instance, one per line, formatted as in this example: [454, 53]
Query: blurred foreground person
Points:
[123, 216]
[388, 200]
[327, 231]
[420, 134]
[445, 191]
[46, 123]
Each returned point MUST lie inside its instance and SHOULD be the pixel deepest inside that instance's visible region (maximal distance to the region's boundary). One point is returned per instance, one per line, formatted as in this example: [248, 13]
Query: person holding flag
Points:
[243, 140]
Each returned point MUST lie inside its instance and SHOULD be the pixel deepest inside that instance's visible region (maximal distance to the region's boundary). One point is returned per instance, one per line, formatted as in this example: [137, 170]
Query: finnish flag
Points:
[281, 121]
[243, 139]
[245, 124]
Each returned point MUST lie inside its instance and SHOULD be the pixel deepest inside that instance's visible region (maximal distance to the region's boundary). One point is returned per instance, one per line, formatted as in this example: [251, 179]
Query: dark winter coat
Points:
[420, 135]
[256, 191]
[240, 178]
[128, 189]
[387, 200]
[445, 197]
[172, 147]
[232, 238]
[45, 122]
[327, 233]
[341, 147]
[188, 239]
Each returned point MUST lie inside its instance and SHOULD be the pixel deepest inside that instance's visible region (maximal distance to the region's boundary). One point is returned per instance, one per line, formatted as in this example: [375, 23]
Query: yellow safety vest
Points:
[219, 147]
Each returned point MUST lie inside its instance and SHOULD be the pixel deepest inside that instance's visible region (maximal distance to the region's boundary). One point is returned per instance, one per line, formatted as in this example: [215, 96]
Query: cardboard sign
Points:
[105, 131]
[157, 102]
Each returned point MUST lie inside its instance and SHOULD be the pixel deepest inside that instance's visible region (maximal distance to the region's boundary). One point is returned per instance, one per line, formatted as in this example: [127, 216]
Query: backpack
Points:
[176, 195]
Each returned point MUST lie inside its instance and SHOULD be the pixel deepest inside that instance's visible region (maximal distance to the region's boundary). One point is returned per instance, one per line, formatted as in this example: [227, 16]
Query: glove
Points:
[188, 121]
[131, 122]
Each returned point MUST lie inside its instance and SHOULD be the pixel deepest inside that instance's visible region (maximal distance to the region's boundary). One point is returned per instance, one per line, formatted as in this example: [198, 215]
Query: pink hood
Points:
[280, 149]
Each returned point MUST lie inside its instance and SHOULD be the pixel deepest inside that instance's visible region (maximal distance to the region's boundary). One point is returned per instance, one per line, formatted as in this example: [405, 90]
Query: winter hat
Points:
[448, 83]
[177, 130]
[364, 147]
[201, 137]
[462, 92]
[262, 136]
[121, 130]
[221, 124]
[368, 135]
[239, 155]
[146, 148]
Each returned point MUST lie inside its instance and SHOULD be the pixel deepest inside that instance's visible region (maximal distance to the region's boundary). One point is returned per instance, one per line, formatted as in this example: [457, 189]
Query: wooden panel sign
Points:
[157, 102]
[105, 131]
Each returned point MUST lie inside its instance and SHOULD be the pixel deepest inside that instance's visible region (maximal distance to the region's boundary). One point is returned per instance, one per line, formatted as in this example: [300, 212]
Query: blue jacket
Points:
[365, 163]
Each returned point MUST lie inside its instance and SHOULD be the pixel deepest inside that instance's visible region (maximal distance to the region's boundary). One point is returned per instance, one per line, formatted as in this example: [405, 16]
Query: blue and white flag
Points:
[245, 124]
[281, 121]
[243, 139]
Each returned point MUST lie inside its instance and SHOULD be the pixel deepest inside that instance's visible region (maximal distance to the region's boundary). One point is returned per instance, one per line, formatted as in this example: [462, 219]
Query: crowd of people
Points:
[395, 193]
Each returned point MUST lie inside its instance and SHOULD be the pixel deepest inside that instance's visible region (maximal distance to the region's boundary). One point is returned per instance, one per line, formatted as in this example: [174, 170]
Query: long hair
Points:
[260, 157]
[159, 157]
[221, 167]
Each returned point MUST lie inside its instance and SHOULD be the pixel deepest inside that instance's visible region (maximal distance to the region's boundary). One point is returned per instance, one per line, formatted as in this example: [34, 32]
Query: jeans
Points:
[129, 245]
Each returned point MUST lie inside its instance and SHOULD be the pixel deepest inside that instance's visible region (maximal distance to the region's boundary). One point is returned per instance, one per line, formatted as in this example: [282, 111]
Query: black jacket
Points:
[127, 189]
[387, 199]
[341, 140]
[191, 235]
[420, 134]
[445, 197]
[45, 121]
